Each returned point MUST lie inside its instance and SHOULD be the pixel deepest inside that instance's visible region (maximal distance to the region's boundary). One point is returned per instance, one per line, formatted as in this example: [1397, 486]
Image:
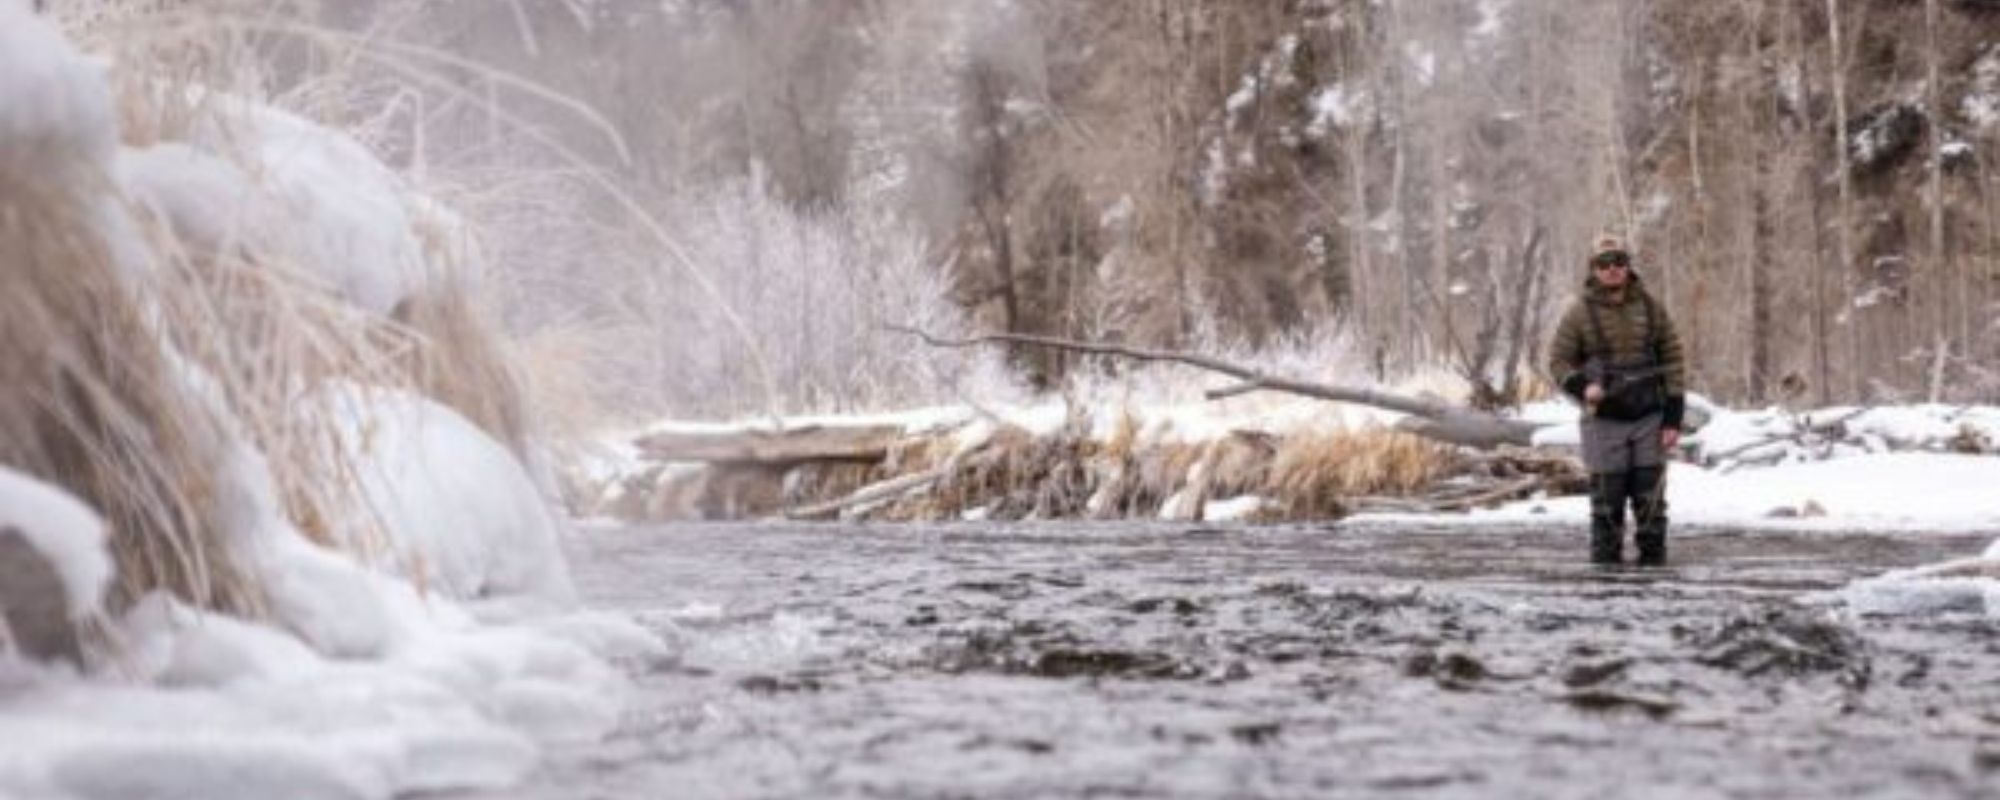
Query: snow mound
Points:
[57, 113]
[1967, 585]
[464, 515]
[296, 194]
[64, 531]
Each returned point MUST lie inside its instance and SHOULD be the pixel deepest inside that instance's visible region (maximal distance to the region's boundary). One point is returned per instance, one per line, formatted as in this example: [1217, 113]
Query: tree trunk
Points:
[1763, 225]
[1408, 329]
[1698, 292]
[1844, 212]
[1939, 262]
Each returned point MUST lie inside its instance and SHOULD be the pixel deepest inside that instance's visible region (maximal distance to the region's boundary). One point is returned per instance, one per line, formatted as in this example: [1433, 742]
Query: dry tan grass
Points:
[459, 358]
[125, 384]
[94, 404]
[1017, 474]
[559, 380]
[268, 342]
[1312, 473]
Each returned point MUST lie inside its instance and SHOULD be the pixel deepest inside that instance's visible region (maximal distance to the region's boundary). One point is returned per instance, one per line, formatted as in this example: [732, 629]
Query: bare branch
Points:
[1441, 421]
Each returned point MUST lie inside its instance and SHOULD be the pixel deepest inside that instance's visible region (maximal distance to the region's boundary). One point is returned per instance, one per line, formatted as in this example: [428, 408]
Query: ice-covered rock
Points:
[53, 565]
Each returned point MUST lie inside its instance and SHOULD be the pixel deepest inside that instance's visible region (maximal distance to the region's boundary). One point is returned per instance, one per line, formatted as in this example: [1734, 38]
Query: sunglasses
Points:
[1609, 260]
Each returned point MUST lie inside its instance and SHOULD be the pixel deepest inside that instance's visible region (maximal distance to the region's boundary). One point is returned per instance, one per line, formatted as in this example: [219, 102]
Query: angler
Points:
[1616, 352]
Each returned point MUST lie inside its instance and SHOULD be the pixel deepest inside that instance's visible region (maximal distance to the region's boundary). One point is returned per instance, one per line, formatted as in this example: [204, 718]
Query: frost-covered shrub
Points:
[796, 320]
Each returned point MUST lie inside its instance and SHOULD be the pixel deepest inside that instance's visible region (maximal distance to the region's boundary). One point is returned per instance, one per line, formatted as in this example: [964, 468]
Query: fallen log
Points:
[1432, 419]
[872, 493]
[1451, 500]
[865, 443]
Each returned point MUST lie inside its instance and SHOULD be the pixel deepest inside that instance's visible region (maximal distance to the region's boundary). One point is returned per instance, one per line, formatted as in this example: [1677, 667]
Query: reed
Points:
[96, 404]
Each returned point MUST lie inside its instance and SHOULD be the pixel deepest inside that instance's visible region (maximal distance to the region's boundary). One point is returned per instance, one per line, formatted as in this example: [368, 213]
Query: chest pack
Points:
[1634, 387]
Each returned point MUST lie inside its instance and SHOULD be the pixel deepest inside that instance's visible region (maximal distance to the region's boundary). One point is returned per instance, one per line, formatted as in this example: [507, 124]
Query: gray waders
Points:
[1626, 462]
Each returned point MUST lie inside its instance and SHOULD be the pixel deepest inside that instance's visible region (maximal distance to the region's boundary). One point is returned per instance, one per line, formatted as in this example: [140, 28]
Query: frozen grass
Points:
[137, 348]
[94, 403]
[712, 301]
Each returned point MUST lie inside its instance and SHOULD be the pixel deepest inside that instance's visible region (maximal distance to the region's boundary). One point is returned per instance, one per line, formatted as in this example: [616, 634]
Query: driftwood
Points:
[866, 443]
[872, 493]
[888, 490]
[1455, 499]
[1434, 420]
[1803, 437]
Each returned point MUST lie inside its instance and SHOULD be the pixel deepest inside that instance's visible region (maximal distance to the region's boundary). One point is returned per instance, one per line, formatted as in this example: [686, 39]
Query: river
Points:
[1192, 661]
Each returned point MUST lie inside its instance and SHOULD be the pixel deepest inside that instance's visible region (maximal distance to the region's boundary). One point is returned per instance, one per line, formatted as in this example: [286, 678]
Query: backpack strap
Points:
[1653, 342]
[1603, 344]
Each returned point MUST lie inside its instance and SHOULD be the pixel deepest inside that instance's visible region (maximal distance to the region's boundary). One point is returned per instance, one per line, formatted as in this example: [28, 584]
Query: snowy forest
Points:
[1809, 184]
[550, 398]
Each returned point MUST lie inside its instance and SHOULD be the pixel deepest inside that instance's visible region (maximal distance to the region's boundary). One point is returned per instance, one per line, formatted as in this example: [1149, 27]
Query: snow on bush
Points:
[815, 292]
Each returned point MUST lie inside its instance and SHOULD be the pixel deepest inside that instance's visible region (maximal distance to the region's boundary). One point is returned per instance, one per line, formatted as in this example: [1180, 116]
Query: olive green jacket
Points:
[1627, 316]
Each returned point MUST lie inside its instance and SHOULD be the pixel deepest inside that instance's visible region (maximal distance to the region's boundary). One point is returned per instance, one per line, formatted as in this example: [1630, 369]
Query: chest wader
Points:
[1622, 448]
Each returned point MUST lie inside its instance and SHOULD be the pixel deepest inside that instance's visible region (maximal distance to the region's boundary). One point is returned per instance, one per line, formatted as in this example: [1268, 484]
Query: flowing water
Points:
[1101, 660]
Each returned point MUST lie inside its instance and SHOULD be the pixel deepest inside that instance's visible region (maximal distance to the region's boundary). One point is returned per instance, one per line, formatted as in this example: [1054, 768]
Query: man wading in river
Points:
[1616, 352]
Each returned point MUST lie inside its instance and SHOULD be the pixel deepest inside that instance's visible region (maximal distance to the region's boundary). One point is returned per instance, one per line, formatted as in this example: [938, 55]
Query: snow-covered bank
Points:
[1899, 468]
[204, 705]
[285, 515]
[1913, 492]
[1908, 469]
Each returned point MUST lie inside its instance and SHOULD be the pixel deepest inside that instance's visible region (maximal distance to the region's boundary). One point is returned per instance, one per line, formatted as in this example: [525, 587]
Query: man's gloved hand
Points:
[1573, 384]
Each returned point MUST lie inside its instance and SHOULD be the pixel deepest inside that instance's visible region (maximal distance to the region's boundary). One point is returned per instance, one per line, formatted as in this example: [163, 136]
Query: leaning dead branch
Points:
[1434, 420]
[776, 447]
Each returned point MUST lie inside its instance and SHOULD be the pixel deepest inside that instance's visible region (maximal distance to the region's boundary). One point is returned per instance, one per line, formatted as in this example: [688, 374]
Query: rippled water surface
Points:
[1353, 661]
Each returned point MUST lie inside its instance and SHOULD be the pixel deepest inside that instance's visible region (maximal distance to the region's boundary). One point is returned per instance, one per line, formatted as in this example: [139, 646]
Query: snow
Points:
[1245, 94]
[1912, 592]
[1981, 104]
[64, 531]
[1492, 19]
[1230, 509]
[205, 705]
[1423, 63]
[1907, 492]
[1334, 106]
[1771, 468]
[57, 113]
[441, 660]
[466, 518]
[293, 192]
[1775, 470]
[209, 203]
[236, 710]
[1763, 469]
